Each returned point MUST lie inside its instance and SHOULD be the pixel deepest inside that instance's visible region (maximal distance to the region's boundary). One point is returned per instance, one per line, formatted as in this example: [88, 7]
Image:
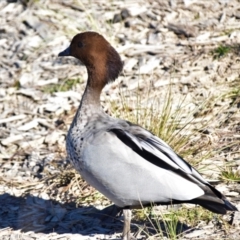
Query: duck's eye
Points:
[80, 44]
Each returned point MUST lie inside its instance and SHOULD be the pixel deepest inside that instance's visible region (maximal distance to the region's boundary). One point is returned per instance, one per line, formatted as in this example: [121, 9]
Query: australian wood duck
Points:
[126, 163]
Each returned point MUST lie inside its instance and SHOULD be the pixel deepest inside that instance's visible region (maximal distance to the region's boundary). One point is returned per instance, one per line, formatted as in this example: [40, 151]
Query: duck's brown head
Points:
[95, 52]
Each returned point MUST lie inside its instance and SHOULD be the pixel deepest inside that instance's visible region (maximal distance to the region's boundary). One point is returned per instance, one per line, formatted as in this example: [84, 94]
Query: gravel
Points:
[162, 43]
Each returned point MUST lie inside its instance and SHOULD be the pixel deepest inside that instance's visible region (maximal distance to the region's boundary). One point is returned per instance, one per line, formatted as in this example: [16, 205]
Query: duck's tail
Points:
[216, 207]
[214, 201]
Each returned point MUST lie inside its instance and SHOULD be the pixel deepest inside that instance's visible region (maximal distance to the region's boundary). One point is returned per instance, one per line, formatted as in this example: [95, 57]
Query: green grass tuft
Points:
[63, 86]
[224, 50]
[230, 175]
[221, 51]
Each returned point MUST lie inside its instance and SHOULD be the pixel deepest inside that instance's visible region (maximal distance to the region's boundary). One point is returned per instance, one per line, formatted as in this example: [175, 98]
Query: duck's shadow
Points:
[47, 216]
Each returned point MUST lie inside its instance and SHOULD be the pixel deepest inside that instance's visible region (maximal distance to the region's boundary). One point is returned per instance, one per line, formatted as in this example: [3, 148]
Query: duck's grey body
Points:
[124, 176]
[130, 165]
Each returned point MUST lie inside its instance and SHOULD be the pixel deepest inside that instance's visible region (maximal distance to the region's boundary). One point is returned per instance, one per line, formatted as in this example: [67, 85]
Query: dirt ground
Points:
[192, 46]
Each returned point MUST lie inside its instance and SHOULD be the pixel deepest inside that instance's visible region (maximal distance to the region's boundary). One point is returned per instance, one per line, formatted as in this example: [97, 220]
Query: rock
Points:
[12, 139]
[122, 16]
[47, 82]
[197, 233]
[236, 219]
[129, 64]
[52, 138]
[25, 79]
[13, 118]
[29, 125]
[34, 42]
[182, 30]
[151, 64]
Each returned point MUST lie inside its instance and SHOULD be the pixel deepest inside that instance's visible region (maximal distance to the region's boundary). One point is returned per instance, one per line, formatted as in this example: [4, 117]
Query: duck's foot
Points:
[107, 214]
[127, 215]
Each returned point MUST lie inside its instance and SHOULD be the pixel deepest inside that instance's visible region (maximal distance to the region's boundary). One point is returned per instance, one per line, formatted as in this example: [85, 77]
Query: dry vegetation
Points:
[181, 81]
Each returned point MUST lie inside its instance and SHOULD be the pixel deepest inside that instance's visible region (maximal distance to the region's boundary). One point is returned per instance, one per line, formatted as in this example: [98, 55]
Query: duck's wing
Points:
[156, 151]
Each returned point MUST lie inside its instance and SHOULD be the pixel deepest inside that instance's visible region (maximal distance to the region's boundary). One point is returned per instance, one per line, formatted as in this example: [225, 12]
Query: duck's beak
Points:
[64, 53]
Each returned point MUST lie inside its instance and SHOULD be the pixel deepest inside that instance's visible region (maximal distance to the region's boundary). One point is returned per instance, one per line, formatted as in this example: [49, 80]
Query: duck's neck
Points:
[90, 98]
[95, 84]
[90, 103]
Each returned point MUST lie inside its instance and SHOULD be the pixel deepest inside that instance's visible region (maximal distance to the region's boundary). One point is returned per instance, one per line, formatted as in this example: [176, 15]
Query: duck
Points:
[125, 162]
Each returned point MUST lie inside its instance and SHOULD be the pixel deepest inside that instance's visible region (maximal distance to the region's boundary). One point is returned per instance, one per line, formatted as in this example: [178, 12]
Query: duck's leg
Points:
[127, 214]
